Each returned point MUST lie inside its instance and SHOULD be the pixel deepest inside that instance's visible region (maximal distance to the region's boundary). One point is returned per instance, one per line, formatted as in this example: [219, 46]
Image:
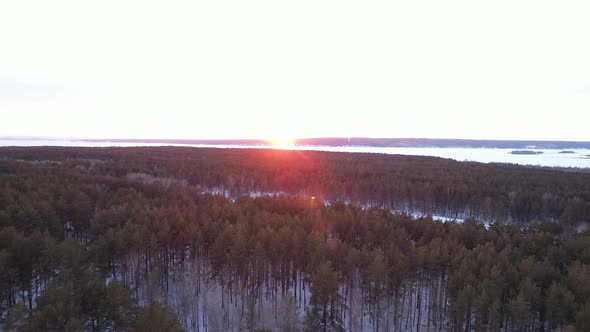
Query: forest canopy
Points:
[174, 238]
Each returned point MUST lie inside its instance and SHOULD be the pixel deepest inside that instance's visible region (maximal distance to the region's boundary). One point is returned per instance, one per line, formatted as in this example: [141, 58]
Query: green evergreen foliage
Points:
[155, 318]
[94, 239]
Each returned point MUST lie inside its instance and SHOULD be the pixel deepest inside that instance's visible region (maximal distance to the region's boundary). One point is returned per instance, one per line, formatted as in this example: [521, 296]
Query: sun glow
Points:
[281, 142]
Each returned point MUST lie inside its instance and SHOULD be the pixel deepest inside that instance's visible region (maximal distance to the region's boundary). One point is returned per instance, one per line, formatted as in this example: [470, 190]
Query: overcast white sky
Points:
[257, 69]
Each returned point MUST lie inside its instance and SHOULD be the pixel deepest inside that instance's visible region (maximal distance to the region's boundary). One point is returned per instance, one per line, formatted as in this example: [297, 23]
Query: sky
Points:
[308, 68]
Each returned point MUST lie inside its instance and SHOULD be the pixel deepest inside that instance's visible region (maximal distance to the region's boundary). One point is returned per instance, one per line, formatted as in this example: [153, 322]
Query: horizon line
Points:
[294, 139]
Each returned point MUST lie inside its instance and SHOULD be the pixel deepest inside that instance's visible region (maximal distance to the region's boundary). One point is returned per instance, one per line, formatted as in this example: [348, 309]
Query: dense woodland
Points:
[486, 192]
[165, 239]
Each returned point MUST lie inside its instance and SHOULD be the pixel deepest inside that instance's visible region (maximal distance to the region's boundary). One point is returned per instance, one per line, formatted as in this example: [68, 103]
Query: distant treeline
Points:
[95, 239]
[486, 192]
[377, 142]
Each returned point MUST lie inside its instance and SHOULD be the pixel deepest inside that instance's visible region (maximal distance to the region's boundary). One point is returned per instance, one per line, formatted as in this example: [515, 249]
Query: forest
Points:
[195, 239]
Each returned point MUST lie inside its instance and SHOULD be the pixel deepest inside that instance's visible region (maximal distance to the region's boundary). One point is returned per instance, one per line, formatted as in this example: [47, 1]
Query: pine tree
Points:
[155, 318]
[324, 293]
[559, 305]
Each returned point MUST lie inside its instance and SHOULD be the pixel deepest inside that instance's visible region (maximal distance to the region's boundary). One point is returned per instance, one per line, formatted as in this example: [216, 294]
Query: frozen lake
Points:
[553, 158]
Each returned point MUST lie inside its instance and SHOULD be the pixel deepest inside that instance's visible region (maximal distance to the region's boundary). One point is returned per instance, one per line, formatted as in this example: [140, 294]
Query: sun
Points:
[281, 141]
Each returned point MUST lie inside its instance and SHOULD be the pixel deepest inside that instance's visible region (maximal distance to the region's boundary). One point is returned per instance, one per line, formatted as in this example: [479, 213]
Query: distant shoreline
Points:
[526, 152]
[351, 142]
